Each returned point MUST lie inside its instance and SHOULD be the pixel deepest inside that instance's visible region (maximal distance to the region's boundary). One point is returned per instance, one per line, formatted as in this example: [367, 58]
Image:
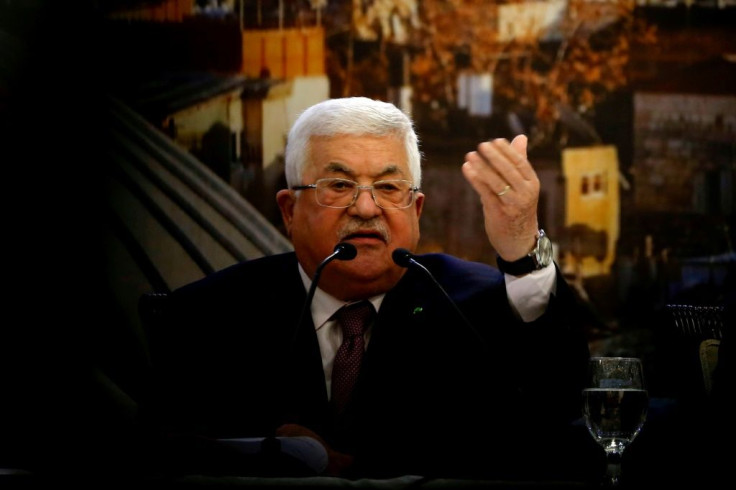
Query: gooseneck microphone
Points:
[342, 251]
[292, 393]
[404, 258]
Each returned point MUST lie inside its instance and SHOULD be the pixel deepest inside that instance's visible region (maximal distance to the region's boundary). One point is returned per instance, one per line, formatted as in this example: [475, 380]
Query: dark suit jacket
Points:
[436, 395]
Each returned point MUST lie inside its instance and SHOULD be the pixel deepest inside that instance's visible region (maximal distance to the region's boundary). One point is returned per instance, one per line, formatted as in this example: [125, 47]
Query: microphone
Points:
[342, 251]
[404, 258]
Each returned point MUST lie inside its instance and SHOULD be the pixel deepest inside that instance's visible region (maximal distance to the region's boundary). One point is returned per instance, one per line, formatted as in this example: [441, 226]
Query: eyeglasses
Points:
[342, 193]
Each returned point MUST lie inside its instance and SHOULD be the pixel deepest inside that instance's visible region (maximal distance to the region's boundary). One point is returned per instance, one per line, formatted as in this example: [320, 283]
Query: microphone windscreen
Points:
[345, 251]
[402, 257]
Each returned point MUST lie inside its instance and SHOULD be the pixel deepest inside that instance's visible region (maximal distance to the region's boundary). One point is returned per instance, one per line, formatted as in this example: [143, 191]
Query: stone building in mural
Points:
[684, 154]
[592, 215]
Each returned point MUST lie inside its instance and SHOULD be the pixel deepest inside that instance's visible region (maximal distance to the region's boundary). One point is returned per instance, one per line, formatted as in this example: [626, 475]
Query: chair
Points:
[708, 353]
[703, 325]
[706, 322]
[151, 308]
[691, 434]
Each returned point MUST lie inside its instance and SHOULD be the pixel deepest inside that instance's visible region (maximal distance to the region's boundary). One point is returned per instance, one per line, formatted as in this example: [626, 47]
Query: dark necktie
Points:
[353, 319]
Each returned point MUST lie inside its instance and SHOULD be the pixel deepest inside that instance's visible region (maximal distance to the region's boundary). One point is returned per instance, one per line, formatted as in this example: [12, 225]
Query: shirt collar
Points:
[325, 305]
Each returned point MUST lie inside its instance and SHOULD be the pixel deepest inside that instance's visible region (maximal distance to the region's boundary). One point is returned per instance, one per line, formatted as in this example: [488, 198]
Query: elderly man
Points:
[451, 368]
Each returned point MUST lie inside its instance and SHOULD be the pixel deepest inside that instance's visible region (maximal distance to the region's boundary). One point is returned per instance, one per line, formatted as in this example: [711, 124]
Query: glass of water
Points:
[615, 402]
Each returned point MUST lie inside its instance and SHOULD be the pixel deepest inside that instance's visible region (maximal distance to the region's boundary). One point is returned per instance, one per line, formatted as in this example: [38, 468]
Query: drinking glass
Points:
[615, 404]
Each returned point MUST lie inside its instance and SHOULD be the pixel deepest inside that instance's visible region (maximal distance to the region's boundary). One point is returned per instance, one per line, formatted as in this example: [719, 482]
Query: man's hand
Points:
[509, 191]
[337, 463]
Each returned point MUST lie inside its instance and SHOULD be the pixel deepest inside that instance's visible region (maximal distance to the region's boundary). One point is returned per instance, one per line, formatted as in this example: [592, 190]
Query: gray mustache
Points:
[374, 225]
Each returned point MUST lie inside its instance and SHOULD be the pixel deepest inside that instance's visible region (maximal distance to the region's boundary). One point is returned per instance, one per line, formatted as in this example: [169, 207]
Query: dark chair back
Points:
[702, 322]
[701, 327]
[152, 310]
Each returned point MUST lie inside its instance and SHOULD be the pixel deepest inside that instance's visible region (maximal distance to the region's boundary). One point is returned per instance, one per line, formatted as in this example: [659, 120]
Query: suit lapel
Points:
[306, 399]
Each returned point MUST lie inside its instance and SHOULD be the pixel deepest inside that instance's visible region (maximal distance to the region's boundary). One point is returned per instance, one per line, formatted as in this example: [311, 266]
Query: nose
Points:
[364, 206]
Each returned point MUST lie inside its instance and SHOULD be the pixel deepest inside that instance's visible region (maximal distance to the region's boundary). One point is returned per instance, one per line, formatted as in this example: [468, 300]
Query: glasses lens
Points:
[335, 193]
[392, 193]
[341, 193]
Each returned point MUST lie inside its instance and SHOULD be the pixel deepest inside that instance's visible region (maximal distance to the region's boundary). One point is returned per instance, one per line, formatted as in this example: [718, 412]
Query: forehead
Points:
[376, 155]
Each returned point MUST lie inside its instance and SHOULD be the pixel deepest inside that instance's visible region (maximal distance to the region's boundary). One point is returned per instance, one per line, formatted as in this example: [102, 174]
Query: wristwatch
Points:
[538, 258]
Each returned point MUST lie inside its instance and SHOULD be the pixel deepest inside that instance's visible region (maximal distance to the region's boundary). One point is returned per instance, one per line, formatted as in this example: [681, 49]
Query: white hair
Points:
[356, 116]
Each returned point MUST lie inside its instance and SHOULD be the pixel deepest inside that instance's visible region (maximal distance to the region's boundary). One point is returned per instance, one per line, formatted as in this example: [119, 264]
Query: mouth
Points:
[364, 236]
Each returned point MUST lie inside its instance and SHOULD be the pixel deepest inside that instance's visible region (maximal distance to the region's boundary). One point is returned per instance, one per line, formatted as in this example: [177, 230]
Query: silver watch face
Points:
[544, 250]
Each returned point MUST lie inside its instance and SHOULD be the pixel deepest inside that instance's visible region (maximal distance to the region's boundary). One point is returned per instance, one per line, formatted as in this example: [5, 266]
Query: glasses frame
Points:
[412, 190]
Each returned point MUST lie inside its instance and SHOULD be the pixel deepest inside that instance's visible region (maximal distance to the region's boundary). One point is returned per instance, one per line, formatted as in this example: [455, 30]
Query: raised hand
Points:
[508, 188]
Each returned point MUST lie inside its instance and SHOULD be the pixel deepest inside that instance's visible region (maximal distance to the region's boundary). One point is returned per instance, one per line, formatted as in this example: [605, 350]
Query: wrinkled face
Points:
[375, 232]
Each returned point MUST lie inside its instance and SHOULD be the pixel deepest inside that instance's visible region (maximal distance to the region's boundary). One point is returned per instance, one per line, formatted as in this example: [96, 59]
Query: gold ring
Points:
[504, 191]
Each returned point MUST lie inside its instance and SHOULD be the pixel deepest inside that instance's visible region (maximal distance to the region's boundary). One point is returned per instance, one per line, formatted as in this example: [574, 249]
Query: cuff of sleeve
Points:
[529, 294]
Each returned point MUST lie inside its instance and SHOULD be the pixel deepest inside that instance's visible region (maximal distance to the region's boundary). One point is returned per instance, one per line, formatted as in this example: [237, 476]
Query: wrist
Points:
[539, 257]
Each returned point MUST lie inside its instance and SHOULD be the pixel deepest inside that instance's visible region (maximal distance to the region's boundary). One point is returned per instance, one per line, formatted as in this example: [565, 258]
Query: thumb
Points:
[519, 144]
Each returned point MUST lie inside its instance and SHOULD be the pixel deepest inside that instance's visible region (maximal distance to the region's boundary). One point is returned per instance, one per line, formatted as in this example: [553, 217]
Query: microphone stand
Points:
[404, 258]
[342, 251]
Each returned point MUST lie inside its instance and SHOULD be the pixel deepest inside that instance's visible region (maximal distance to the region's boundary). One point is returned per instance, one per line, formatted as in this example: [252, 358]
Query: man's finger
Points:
[519, 143]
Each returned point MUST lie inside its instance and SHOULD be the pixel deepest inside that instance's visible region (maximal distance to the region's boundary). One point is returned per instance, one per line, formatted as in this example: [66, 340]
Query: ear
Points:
[419, 204]
[286, 200]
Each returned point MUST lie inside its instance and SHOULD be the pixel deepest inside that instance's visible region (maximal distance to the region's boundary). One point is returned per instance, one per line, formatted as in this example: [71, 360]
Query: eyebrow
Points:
[337, 167]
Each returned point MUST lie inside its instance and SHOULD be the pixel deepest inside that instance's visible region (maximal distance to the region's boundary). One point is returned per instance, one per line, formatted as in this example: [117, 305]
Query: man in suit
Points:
[471, 376]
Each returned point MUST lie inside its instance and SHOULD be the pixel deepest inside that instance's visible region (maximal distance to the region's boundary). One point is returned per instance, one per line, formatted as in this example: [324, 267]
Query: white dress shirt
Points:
[528, 296]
